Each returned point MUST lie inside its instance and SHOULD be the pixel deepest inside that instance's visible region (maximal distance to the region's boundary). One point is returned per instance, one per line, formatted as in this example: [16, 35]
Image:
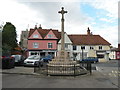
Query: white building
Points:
[88, 45]
[112, 54]
[68, 45]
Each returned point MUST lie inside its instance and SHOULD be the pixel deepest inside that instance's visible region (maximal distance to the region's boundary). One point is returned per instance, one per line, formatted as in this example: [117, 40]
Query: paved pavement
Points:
[96, 80]
[109, 70]
[105, 76]
[19, 70]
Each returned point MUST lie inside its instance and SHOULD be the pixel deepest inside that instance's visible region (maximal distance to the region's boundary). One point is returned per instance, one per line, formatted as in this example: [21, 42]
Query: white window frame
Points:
[35, 36]
[66, 45]
[83, 47]
[100, 47]
[50, 44]
[91, 47]
[74, 47]
[35, 45]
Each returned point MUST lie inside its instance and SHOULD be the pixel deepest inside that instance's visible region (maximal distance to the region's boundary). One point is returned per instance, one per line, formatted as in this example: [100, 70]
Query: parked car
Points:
[47, 58]
[8, 62]
[91, 59]
[33, 60]
[19, 59]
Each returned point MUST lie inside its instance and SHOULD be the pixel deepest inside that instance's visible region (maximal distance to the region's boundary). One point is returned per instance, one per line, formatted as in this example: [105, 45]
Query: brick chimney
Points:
[119, 46]
[35, 27]
[40, 26]
[88, 31]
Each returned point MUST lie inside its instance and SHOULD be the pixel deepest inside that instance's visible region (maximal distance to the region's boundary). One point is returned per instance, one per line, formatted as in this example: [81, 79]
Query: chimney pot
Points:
[35, 26]
[88, 31]
[40, 27]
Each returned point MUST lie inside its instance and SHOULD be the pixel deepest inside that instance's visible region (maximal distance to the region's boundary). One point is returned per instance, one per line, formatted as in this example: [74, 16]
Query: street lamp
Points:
[82, 48]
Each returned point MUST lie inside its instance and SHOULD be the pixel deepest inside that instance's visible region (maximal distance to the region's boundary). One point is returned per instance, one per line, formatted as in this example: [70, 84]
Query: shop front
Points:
[43, 53]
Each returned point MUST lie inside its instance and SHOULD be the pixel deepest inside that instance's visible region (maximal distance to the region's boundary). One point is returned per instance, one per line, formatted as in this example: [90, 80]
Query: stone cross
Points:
[62, 29]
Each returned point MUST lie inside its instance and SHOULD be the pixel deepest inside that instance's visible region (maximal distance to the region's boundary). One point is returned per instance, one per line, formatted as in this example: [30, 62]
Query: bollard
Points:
[74, 70]
[47, 69]
[90, 68]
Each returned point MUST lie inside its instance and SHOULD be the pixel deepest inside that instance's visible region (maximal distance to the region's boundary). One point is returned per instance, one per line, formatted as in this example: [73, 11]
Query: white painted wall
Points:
[90, 52]
[67, 39]
[112, 55]
[79, 51]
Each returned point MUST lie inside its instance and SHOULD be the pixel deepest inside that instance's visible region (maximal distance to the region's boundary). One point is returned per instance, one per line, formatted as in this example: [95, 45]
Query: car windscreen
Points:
[33, 57]
[16, 57]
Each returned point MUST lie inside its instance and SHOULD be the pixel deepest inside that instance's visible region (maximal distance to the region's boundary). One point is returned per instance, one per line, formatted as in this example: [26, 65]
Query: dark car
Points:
[19, 59]
[8, 62]
[38, 63]
[90, 59]
[47, 58]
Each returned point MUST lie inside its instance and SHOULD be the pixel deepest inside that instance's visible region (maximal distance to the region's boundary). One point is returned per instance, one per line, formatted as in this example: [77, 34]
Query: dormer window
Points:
[50, 36]
[35, 36]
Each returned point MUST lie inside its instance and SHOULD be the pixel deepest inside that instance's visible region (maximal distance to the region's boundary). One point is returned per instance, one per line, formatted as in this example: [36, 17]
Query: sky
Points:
[101, 16]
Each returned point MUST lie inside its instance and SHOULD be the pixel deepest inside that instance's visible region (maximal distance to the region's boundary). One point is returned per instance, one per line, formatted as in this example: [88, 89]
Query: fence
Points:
[71, 69]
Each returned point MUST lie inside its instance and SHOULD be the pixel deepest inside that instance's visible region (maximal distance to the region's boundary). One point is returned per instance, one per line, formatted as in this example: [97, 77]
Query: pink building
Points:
[43, 42]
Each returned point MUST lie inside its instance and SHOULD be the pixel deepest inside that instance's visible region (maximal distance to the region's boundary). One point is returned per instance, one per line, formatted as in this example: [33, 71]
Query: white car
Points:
[33, 60]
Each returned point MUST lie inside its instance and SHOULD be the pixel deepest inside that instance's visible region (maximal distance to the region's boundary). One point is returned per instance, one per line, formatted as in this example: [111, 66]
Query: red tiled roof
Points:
[31, 32]
[76, 39]
[44, 32]
[88, 40]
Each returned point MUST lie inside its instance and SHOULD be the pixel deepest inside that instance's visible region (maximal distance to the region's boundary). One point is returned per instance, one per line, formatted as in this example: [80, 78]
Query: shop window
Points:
[34, 53]
[100, 56]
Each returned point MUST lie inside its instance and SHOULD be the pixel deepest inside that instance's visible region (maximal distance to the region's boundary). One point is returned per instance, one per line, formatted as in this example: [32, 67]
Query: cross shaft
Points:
[62, 29]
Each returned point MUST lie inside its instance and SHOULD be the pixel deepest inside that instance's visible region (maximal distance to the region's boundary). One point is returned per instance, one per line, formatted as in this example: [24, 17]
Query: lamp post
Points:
[82, 47]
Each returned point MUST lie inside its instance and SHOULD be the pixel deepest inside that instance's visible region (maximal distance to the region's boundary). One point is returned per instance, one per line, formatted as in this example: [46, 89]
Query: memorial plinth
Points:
[62, 65]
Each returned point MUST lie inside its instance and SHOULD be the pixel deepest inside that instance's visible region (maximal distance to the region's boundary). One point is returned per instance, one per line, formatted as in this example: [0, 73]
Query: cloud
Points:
[74, 19]
[107, 20]
[110, 6]
[109, 33]
[22, 13]
[18, 14]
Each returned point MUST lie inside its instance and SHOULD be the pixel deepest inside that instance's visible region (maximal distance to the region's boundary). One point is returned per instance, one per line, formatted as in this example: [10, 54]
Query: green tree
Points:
[9, 35]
